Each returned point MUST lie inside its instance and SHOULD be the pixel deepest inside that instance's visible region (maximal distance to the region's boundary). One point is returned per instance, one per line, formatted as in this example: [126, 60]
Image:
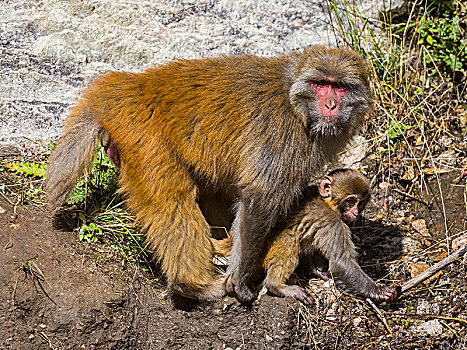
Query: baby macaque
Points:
[318, 234]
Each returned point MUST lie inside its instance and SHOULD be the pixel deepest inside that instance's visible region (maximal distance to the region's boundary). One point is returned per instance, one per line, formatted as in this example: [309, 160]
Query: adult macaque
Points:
[317, 234]
[252, 126]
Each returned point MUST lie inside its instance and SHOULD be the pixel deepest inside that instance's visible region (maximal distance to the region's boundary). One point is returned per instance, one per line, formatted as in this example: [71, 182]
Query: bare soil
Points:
[56, 296]
[60, 293]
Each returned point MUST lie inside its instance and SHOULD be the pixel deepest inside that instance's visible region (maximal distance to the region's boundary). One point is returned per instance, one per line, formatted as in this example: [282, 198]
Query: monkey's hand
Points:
[324, 275]
[383, 293]
[240, 291]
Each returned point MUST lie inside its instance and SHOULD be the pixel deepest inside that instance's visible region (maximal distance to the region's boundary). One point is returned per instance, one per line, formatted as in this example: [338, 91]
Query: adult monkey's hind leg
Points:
[164, 199]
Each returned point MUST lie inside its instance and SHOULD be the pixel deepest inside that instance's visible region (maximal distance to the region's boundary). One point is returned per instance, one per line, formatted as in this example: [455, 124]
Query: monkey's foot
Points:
[297, 292]
[387, 294]
[241, 292]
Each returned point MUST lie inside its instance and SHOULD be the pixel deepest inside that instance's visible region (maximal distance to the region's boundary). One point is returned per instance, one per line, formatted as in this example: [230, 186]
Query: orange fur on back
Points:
[232, 123]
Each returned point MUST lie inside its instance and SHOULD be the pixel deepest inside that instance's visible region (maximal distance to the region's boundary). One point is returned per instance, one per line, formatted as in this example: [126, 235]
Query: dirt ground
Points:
[60, 293]
[56, 296]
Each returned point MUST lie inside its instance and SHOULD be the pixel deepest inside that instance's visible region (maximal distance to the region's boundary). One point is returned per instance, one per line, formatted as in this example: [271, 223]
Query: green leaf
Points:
[27, 168]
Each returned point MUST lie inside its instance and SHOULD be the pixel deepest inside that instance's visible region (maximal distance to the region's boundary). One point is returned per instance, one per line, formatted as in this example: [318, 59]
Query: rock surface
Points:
[50, 50]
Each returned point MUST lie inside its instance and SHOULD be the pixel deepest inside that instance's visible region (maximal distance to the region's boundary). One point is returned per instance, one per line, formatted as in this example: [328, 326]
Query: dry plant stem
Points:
[380, 315]
[432, 270]
[440, 317]
[405, 194]
[6, 198]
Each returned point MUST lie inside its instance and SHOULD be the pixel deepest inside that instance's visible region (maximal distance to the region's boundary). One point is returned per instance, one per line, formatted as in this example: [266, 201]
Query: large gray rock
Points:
[49, 50]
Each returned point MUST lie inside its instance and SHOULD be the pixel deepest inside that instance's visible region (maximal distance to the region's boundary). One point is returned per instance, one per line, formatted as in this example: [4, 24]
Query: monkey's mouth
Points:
[328, 119]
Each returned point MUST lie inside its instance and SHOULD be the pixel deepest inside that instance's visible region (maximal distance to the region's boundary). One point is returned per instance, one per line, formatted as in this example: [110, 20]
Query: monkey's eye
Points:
[351, 201]
[340, 85]
[321, 82]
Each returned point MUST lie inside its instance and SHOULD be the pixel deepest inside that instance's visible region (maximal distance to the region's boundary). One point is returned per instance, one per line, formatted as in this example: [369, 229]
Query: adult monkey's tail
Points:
[73, 155]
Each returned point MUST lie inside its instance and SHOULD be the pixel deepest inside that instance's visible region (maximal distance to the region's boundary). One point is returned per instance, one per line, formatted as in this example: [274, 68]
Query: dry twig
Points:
[432, 270]
[380, 315]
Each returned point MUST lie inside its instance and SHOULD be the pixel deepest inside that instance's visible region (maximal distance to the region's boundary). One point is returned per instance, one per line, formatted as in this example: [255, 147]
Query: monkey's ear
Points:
[325, 187]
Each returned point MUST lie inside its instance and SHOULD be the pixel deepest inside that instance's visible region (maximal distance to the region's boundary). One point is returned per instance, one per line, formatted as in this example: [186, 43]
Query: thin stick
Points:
[434, 269]
[440, 317]
[380, 315]
[412, 197]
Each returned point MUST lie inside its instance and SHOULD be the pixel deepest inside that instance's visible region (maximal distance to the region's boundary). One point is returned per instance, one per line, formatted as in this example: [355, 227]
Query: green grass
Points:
[103, 219]
[418, 69]
[94, 209]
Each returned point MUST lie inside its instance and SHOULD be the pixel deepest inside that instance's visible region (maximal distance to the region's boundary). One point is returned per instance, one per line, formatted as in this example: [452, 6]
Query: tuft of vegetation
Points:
[23, 178]
[94, 210]
[32, 169]
[442, 35]
[103, 221]
[99, 183]
[418, 69]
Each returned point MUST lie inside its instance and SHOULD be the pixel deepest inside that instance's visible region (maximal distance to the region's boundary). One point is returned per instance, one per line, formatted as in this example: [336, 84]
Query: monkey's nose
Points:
[331, 107]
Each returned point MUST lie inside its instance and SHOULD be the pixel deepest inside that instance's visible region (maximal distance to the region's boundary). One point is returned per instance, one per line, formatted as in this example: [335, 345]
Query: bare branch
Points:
[434, 269]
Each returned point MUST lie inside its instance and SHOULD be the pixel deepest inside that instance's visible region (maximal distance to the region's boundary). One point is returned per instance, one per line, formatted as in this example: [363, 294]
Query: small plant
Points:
[89, 233]
[26, 266]
[397, 129]
[26, 185]
[442, 34]
[101, 216]
[32, 169]
[98, 182]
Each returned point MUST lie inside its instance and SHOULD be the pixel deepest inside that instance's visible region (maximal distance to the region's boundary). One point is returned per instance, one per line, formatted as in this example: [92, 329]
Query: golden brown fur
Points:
[245, 125]
[315, 233]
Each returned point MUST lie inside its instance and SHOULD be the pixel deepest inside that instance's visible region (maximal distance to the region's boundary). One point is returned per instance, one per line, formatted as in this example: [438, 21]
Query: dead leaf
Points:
[459, 242]
[418, 267]
[420, 226]
[440, 256]
[409, 175]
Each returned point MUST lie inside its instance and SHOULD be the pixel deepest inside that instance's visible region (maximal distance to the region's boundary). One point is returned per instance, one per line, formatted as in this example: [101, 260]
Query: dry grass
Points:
[416, 149]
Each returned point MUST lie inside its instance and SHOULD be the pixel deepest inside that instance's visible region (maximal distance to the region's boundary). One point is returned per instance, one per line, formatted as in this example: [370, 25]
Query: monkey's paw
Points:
[239, 290]
[387, 294]
[324, 275]
[298, 293]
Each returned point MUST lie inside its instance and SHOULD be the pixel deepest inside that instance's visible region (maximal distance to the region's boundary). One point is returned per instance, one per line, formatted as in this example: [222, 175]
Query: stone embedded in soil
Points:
[459, 243]
[432, 328]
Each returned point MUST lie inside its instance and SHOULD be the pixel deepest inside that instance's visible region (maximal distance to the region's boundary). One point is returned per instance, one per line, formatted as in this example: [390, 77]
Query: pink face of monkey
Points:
[351, 207]
[330, 94]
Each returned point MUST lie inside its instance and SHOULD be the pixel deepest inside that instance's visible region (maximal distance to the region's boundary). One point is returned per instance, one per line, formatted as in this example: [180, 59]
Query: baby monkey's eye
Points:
[351, 201]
